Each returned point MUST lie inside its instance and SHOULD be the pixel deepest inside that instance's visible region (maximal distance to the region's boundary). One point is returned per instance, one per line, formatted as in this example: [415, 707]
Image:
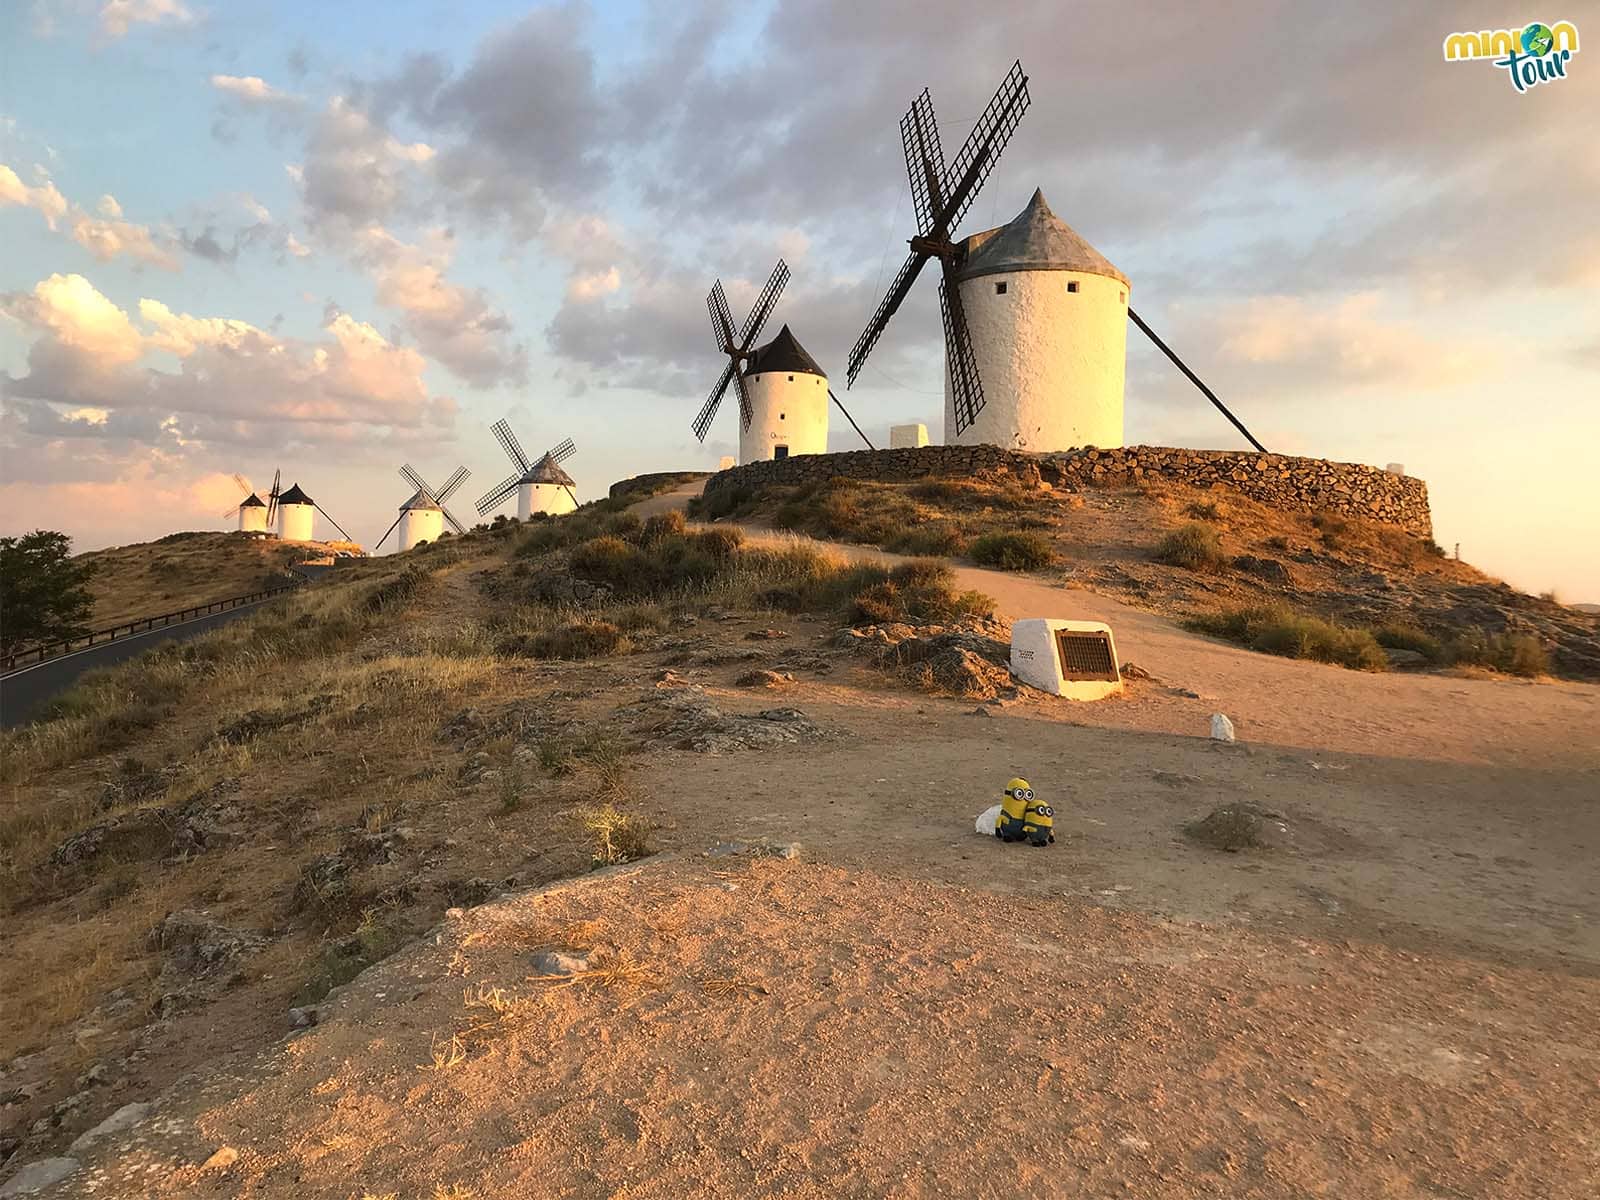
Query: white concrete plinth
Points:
[907, 437]
[1043, 656]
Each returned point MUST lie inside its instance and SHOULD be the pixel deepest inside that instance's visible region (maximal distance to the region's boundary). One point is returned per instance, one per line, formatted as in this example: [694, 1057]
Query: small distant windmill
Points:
[251, 511]
[942, 196]
[423, 516]
[541, 486]
[783, 393]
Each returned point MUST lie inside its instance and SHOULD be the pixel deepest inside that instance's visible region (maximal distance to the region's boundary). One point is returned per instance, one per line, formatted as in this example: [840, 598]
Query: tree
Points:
[43, 591]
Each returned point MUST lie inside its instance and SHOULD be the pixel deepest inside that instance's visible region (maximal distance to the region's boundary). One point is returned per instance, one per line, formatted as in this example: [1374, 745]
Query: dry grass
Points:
[1278, 629]
[1013, 551]
[614, 836]
[1195, 546]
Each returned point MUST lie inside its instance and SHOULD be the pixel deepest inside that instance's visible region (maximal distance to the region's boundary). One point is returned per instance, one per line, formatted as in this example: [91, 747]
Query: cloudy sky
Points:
[332, 238]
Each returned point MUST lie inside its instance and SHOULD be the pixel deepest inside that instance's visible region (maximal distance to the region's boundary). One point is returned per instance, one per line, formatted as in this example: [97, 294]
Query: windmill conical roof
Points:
[1034, 240]
[294, 496]
[252, 501]
[783, 353]
[547, 470]
[417, 501]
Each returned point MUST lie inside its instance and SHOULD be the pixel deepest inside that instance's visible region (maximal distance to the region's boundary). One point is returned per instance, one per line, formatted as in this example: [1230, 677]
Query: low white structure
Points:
[421, 520]
[1048, 316]
[1075, 659]
[726, 461]
[788, 402]
[1396, 468]
[252, 514]
[546, 488]
[907, 437]
[295, 513]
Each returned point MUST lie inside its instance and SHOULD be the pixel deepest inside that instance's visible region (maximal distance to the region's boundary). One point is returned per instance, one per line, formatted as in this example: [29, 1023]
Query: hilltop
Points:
[182, 570]
[365, 820]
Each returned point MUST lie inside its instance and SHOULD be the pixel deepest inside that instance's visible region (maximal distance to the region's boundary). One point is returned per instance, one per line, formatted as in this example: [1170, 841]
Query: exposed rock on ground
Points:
[686, 719]
[1239, 826]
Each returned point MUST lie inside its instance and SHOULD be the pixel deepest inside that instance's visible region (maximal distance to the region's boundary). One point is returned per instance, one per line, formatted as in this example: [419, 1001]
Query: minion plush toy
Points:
[1023, 817]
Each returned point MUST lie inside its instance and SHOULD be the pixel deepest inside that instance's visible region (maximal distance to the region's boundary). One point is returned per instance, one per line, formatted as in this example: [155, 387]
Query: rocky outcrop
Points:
[1279, 480]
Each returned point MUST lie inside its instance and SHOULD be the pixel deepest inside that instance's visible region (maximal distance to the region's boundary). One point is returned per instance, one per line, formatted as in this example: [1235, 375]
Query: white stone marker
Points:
[1075, 659]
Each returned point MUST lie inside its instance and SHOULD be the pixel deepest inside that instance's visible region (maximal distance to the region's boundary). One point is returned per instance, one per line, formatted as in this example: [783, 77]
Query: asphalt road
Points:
[25, 692]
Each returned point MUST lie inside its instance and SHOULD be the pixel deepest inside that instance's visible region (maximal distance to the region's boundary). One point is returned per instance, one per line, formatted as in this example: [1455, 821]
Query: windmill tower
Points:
[422, 517]
[541, 486]
[783, 393]
[1030, 308]
[296, 515]
[1048, 318]
[251, 511]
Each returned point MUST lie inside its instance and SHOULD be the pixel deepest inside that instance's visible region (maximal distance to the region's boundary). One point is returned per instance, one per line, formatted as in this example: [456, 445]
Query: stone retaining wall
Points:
[1283, 481]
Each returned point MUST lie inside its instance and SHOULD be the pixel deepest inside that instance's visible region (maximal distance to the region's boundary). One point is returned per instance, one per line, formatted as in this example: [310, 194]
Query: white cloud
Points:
[354, 169]
[117, 16]
[106, 236]
[252, 89]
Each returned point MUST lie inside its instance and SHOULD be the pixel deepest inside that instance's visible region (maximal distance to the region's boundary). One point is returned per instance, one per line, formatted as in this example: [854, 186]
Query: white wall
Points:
[786, 410]
[553, 498]
[294, 522]
[907, 437]
[1053, 362]
[420, 525]
[252, 519]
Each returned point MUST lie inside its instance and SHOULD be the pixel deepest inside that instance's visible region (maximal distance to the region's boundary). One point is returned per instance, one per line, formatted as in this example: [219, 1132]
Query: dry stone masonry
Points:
[1279, 480]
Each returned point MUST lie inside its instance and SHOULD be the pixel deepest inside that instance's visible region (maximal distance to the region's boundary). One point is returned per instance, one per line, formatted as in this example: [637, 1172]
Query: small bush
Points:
[578, 640]
[1207, 511]
[1196, 546]
[663, 525]
[1013, 551]
[1398, 636]
[1513, 653]
[615, 836]
[936, 538]
[1278, 629]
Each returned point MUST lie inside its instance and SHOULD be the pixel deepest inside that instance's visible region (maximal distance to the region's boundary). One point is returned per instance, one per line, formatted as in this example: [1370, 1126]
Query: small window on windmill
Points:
[999, 289]
[1123, 297]
[791, 379]
[781, 416]
[1072, 285]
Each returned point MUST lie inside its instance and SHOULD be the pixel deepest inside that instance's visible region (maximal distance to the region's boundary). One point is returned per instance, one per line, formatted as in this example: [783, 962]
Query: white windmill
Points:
[783, 393]
[1034, 316]
[423, 516]
[252, 510]
[296, 516]
[541, 486]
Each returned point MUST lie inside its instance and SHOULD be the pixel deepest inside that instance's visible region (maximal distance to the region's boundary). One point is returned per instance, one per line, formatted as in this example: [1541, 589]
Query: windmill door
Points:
[780, 452]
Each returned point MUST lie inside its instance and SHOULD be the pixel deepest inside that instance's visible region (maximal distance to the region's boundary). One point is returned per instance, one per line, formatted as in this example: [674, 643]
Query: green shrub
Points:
[1278, 629]
[1196, 546]
[1207, 511]
[1013, 551]
[1399, 636]
[663, 525]
[578, 640]
[936, 538]
[1513, 653]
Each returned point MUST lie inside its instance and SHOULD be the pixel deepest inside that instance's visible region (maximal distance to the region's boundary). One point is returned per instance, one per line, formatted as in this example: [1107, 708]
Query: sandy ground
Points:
[1402, 1002]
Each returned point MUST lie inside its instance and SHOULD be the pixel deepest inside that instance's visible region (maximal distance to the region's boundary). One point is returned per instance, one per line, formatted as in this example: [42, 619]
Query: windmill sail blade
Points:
[387, 532]
[919, 134]
[565, 450]
[416, 481]
[965, 387]
[334, 523]
[499, 492]
[982, 148]
[1196, 380]
[512, 447]
[764, 304]
[451, 517]
[746, 411]
[702, 422]
[272, 496]
[721, 317]
[891, 304]
[451, 485]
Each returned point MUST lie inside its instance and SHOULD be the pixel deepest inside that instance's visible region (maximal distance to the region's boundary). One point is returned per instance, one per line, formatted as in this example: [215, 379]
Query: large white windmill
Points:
[297, 514]
[422, 517]
[541, 486]
[1035, 318]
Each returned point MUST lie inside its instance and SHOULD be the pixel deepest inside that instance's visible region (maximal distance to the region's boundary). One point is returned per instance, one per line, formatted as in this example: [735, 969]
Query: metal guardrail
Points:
[38, 654]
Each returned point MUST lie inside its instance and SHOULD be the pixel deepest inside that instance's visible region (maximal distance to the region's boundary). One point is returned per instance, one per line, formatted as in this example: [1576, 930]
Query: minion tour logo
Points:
[1535, 54]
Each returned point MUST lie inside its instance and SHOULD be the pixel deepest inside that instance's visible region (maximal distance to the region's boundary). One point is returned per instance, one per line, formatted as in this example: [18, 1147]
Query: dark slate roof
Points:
[252, 501]
[782, 353]
[1035, 240]
[547, 470]
[418, 501]
[295, 496]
